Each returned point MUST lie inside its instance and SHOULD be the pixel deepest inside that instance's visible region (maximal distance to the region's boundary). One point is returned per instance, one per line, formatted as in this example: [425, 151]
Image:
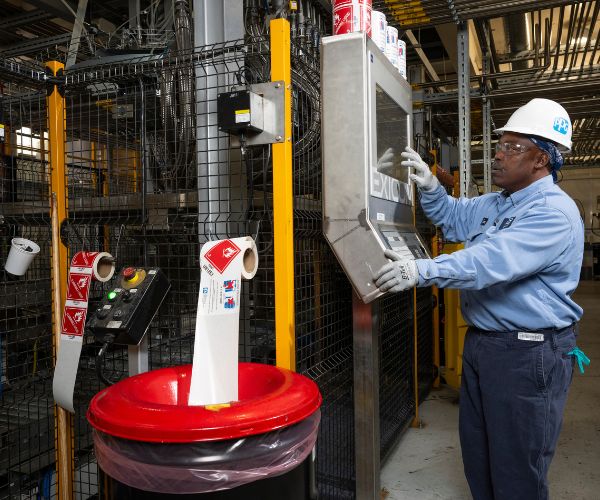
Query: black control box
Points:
[240, 111]
[128, 309]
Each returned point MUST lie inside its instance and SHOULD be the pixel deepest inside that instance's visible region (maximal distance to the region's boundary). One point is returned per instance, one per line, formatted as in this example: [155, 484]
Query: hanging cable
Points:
[108, 340]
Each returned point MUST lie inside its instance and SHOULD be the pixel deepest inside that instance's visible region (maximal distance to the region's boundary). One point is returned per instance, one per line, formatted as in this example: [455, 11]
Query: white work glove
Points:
[398, 275]
[385, 164]
[422, 177]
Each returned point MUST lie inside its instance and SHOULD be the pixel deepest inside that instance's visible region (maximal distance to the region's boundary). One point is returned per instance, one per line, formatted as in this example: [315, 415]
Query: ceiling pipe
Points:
[505, 74]
[517, 37]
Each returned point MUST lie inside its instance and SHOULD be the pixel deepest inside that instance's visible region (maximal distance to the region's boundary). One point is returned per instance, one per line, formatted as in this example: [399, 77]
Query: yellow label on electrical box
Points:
[242, 115]
[293, 5]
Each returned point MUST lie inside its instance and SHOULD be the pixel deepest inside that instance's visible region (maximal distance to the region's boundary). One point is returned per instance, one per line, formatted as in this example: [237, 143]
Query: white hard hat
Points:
[543, 118]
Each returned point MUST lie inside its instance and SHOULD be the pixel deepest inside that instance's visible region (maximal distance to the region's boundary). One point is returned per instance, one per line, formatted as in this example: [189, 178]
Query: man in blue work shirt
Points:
[521, 263]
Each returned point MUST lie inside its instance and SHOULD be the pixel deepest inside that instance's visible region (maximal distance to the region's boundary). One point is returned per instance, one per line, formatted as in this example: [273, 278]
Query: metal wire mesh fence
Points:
[425, 328]
[396, 368]
[26, 350]
[151, 178]
[425, 339]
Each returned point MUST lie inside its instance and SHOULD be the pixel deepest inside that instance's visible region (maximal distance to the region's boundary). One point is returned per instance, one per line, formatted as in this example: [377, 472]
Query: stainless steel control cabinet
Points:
[366, 124]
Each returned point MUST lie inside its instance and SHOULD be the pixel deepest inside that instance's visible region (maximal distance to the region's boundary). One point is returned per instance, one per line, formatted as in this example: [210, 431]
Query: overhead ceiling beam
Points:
[447, 34]
[54, 7]
[419, 50]
[34, 45]
[76, 35]
[25, 18]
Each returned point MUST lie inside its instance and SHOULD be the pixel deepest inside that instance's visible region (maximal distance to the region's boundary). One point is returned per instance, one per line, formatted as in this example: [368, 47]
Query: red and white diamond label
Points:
[83, 259]
[79, 286]
[74, 320]
[221, 255]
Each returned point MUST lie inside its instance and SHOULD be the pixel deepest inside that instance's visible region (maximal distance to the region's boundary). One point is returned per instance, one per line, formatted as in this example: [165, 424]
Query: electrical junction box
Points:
[128, 309]
[240, 111]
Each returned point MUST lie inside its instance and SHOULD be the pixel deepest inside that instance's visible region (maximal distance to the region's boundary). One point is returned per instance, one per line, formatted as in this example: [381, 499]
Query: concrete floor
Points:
[427, 464]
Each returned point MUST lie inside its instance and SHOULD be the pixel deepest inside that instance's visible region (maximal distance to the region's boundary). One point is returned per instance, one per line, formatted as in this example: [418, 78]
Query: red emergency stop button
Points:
[129, 273]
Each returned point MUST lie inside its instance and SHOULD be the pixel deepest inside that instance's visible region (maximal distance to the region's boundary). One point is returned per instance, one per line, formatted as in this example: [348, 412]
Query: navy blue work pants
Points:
[512, 397]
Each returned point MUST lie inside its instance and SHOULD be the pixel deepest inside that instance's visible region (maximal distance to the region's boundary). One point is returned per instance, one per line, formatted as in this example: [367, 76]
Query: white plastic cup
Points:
[22, 252]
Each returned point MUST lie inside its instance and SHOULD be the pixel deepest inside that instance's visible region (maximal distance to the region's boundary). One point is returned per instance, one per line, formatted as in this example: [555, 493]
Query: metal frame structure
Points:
[556, 57]
[464, 110]
[58, 197]
[283, 225]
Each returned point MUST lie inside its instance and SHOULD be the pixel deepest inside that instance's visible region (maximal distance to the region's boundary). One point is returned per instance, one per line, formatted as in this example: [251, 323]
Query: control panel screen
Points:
[405, 244]
[391, 134]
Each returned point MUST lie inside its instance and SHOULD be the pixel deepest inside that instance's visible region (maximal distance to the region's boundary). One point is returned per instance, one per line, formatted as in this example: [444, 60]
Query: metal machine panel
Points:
[367, 111]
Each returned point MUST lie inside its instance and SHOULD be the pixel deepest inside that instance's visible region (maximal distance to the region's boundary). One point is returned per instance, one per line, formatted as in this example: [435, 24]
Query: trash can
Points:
[151, 444]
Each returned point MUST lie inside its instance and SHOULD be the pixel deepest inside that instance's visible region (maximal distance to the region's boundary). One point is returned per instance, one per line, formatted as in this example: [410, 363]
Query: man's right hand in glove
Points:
[398, 275]
[422, 176]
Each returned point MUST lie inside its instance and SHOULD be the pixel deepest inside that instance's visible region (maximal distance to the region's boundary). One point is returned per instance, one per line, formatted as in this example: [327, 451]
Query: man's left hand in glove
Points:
[398, 275]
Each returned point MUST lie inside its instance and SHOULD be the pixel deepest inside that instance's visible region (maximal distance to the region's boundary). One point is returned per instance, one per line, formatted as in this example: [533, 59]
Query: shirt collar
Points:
[540, 185]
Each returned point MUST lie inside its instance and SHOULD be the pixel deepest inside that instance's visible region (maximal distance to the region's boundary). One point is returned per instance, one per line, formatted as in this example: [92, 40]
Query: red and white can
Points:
[391, 46]
[379, 29]
[402, 58]
[350, 16]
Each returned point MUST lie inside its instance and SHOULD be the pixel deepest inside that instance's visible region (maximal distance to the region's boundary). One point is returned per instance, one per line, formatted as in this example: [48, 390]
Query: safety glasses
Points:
[510, 148]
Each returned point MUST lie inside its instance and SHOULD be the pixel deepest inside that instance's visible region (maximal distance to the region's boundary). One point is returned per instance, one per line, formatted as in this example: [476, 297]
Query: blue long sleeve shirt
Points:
[522, 256]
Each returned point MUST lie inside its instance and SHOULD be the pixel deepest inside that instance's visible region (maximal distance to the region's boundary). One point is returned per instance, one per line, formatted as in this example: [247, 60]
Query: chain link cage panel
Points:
[396, 367]
[27, 454]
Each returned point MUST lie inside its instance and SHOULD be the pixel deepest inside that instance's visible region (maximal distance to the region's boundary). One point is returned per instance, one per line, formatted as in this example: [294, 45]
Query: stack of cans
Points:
[357, 15]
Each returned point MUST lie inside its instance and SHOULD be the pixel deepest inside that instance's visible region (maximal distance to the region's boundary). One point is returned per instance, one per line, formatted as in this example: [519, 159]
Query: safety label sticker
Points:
[79, 286]
[221, 255]
[74, 320]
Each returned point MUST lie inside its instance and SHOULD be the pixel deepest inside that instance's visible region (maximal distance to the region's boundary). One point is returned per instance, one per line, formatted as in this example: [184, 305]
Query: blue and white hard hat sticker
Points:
[561, 125]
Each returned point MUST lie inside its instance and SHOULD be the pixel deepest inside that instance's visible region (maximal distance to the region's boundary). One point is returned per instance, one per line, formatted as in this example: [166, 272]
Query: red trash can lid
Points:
[153, 406]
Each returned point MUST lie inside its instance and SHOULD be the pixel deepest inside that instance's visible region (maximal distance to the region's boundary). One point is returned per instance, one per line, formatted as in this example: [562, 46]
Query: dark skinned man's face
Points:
[512, 170]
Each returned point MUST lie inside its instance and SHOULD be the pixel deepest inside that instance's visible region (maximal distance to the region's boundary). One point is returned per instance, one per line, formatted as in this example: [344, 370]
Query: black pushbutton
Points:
[126, 296]
[102, 313]
[118, 314]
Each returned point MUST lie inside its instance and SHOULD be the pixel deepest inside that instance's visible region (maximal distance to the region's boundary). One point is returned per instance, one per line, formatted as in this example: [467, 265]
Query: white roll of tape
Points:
[224, 264]
[85, 268]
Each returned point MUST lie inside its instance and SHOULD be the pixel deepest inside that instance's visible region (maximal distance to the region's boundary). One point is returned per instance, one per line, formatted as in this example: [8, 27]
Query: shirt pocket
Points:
[475, 236]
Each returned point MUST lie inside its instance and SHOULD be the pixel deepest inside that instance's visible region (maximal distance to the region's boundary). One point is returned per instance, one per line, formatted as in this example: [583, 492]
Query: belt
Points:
[544, 334]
